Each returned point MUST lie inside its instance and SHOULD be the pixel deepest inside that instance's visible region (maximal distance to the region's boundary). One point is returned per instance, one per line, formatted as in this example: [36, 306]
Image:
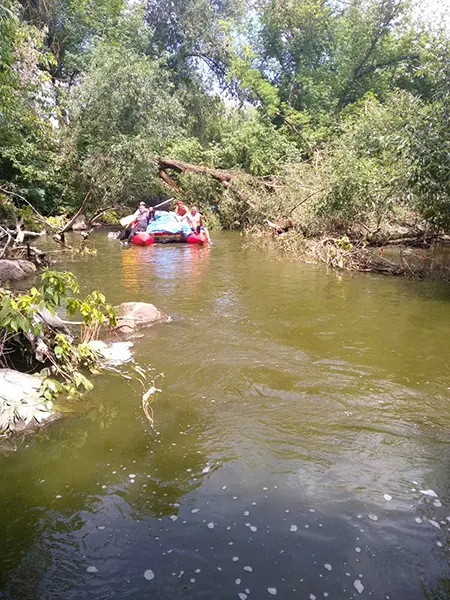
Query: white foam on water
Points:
[272, 591]
[92, 570]
[306, 526]
[173, 518]
[434, 523]
[430, 493]
[265, 489]
[312, 510]
[437, 503]
[224, 487]
[418, 520]
[327, 566]
[246, 513]
[387, 497]
[195, 510]
[206, 470]
[101, 527]
[249, 569]
[293, 528]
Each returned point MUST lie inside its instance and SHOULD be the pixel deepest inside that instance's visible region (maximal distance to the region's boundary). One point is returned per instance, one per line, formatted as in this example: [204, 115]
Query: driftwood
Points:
[9, 241]
[343, 255]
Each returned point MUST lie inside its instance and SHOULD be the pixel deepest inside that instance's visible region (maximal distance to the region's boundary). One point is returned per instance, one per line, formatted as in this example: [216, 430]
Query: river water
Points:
[300, 447]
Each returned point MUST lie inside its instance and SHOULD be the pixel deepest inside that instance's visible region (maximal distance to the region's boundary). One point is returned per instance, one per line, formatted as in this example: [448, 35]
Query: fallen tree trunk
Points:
[59, 236]
[223, 177]
[182, 167]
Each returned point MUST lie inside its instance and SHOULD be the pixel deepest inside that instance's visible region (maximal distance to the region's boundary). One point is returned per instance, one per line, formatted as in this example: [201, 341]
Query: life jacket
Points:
[142, 221]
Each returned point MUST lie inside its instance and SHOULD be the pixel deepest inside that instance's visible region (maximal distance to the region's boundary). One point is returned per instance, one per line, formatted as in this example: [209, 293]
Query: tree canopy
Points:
[353, 95]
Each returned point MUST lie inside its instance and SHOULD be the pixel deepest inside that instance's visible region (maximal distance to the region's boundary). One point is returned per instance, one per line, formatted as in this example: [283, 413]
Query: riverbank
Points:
[44, 358]
[431, 261]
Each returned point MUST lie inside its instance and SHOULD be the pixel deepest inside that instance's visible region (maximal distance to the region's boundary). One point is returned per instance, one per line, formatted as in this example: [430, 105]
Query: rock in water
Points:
[134, 315]
[13, 270]
[80, 223]
[20, 404]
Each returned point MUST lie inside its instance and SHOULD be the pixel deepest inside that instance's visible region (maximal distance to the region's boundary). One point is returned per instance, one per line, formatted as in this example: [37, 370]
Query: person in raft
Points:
[195, 220]
[142, 217]
[182, 211]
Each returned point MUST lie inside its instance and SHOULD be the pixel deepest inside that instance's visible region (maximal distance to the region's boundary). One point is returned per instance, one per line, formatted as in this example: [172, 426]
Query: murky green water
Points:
[294, 400]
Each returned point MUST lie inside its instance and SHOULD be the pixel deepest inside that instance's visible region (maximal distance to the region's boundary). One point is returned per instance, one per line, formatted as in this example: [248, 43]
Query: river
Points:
[300, 447]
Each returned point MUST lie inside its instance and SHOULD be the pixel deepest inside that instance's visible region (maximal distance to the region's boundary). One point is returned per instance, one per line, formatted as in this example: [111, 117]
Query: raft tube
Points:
[147, 239]
[197, 238]
[143, 239]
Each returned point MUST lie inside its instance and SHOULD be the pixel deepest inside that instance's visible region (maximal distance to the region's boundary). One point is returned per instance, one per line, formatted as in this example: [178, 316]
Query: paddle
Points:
[126, 221]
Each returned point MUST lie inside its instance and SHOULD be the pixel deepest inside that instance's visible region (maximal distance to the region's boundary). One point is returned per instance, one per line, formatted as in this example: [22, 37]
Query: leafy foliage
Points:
[26, 337]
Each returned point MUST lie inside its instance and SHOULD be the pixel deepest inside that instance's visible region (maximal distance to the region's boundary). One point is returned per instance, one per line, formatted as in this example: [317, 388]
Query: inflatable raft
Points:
[166, 229]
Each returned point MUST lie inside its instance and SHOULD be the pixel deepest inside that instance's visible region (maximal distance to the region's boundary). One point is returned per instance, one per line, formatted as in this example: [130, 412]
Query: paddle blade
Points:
[125, 221]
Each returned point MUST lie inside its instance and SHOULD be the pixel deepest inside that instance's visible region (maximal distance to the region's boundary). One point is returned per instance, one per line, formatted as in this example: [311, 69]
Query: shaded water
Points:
[302, 416]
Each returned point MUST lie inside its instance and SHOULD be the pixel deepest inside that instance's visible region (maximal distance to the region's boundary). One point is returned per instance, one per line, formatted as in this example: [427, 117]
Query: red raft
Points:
[147, 239]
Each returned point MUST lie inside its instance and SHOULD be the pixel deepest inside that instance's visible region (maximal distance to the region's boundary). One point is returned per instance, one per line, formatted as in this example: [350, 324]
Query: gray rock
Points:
[50, 319]
[13, 270]
[80, 223]
[21, 407]
[134, 315]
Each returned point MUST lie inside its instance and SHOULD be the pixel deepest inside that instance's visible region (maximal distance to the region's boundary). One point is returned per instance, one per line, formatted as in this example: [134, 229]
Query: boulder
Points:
[80, 223]
[13, 270]
[134, 315]
[21, 407]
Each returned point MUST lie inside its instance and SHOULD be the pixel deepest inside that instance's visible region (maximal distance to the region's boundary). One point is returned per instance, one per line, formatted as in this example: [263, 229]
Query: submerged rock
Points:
[115, 353]
[13, 270]
[134, 315]
[21, 407]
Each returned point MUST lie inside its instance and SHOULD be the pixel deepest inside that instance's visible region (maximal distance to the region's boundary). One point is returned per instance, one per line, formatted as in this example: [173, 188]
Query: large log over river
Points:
[301, 444]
